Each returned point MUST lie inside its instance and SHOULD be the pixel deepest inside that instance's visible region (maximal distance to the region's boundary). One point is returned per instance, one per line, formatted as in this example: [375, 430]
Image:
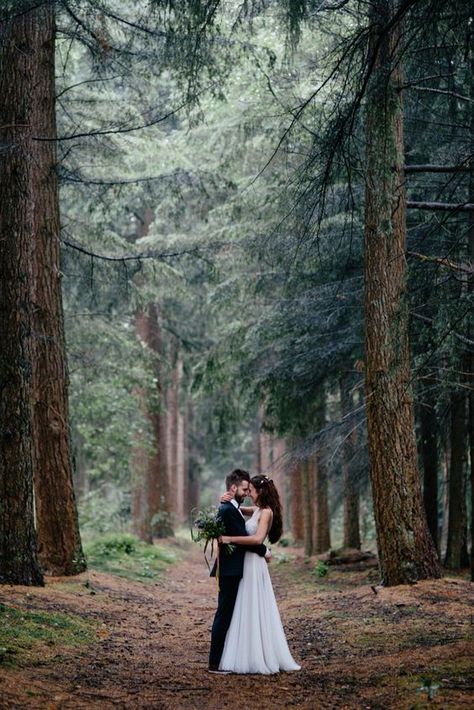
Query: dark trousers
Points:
[229, 586]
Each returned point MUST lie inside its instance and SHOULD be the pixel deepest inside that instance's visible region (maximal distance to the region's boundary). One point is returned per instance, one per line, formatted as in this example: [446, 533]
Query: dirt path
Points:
[359, 648]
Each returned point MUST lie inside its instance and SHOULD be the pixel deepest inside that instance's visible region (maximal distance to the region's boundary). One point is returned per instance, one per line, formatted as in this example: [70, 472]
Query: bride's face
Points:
[253, 493]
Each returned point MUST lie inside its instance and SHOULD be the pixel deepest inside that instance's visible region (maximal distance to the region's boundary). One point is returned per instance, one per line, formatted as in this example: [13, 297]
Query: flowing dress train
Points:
[255, 641]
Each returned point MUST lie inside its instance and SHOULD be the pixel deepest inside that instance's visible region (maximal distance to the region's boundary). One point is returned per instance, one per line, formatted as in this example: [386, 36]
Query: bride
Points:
[255, 641]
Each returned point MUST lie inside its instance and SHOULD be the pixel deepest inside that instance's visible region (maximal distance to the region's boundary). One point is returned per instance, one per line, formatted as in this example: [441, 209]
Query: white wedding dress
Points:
[255, 641]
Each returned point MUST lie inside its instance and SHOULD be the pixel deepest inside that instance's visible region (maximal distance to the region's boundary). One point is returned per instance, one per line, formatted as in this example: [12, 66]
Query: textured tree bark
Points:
[406, 550]
[59, 542]
[456, 494]
[351, 537]
[429, 456]
[20, 46]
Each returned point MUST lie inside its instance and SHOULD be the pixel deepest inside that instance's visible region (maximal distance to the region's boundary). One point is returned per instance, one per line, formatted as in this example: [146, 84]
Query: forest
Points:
[236, 234]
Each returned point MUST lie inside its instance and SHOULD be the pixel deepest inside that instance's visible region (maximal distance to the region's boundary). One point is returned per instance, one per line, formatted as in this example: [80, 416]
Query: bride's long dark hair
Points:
[268, 498]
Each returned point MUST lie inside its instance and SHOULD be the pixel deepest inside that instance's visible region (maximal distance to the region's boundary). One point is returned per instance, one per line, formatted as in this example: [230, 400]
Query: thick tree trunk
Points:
[21, 42]
[351, 489]
[59, 543]
[456, 494]
[406, 550]
[429, 456]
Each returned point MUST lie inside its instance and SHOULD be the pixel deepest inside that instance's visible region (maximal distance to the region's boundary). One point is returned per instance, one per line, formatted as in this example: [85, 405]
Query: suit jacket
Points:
[232, 565]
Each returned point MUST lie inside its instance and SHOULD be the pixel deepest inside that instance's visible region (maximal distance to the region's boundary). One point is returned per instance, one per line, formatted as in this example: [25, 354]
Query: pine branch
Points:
[446, 92]
[458, 336]
[463, 168]
[464, 268]
[129, 257]
[441, 206]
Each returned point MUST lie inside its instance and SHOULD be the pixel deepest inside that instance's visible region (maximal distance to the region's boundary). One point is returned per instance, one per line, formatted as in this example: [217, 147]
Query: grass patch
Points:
[24, 634]
[126, 556]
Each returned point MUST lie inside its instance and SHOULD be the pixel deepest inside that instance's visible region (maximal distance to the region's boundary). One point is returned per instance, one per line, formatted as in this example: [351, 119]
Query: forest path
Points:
[358, 648]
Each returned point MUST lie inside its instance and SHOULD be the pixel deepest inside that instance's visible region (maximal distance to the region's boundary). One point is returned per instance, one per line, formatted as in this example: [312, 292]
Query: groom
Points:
[231, 566]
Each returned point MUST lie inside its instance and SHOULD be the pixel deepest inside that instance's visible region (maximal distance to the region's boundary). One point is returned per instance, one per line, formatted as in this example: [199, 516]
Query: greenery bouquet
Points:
[209, 528]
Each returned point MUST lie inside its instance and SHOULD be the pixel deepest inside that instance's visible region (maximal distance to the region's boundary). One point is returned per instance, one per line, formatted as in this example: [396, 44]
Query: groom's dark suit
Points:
[231, 568]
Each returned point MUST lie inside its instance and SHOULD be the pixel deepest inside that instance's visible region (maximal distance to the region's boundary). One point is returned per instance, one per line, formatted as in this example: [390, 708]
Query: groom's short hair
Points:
[236, 477]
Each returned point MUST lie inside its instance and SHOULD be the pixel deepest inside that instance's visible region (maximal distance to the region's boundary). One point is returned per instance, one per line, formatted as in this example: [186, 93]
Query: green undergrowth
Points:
[126, 556]
[25, 634]
[439, 681]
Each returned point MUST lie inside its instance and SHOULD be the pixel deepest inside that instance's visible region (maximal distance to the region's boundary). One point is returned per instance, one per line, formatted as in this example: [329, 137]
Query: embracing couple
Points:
[247, 633]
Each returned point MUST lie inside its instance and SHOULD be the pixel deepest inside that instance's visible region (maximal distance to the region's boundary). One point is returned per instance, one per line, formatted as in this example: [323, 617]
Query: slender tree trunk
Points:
[322, 532]
[151, 508]
[297, 526]
[153, 512]
[264, 445]
[444, 497]
[279, 474]
[307, 486]
[180, 477]
[172, 406]
[406, 550]
[184, 436]
[158, 483]
[193, 465]
[81, 477]
[351, 489]
[141, 465]
[140, 513]
[21, 41]
[456, 494]
[470, 287]
[429, 456]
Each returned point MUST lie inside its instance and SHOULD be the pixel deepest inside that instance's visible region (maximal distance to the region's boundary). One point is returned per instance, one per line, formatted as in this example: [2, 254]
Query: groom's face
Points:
[241, 491]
